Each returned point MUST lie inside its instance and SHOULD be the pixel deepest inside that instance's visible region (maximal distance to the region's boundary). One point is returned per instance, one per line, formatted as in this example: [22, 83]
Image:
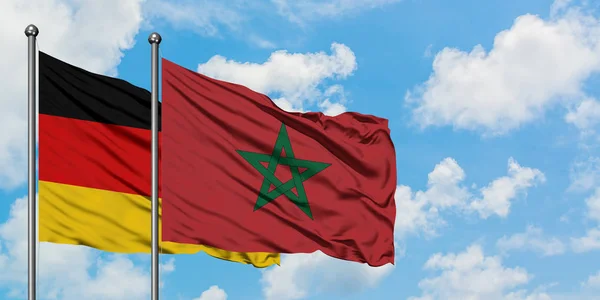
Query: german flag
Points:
[95, 165]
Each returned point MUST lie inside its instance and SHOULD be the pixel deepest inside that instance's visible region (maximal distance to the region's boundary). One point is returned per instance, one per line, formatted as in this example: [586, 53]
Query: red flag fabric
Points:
[240, 174]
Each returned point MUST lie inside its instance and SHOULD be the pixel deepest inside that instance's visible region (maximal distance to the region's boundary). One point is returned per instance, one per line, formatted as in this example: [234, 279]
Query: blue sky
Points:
[493, 109]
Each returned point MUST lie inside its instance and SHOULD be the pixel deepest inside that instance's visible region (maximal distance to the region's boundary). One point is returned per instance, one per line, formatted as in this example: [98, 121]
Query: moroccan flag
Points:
[95, 166]
[243, 175]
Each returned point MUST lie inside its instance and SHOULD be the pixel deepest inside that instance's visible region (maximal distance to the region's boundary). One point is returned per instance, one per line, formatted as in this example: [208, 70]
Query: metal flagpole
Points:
[154, 39]
[31, 32]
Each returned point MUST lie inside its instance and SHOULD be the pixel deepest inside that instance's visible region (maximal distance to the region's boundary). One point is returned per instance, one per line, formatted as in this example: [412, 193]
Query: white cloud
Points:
[168, 266]
[427, 53]
[524, 295]
[66, 27]
[420, 212]
[301, 275]
[443, 184]
[593, 282]
[66, 271]
[286, 105]
[331, 109]
[593, 206]
[294, 79]
[533, 66]
[559, 6]
[472, 275]
[585, 174]
[589, 242]
[301, 11]
[415, 214]
[118, 278]
[586, 115]
[497, 195]
[532, 239]
[213, 293]
[334, 102]
[261, 42]
[204, 16]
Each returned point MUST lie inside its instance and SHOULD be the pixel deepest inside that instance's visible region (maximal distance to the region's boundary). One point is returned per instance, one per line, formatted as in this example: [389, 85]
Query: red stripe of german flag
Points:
[95, 155]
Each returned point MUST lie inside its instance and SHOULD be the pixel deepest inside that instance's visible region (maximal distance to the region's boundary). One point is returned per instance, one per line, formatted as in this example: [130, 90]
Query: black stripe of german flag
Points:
[72, 92]
[94, 164]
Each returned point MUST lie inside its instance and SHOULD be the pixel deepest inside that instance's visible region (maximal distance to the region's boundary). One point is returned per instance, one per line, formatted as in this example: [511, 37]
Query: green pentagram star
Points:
[311, 169]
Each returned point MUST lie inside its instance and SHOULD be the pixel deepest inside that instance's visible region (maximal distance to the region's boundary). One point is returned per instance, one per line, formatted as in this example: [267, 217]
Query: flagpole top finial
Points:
[154, 38]
[31, 30]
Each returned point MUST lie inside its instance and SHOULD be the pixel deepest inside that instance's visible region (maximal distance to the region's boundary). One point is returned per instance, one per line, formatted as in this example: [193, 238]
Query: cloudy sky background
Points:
[494, 111]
